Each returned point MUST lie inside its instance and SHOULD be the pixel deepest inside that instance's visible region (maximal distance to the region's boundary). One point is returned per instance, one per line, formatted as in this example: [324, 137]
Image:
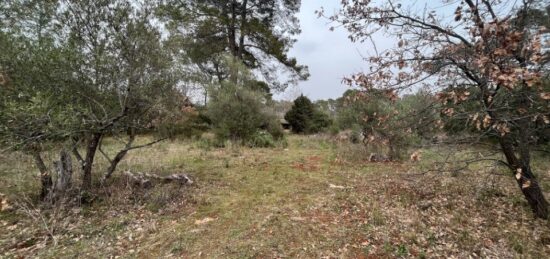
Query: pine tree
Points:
[304, 118]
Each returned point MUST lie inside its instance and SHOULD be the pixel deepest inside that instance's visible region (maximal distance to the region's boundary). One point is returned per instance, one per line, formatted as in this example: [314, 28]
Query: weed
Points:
[401, 250]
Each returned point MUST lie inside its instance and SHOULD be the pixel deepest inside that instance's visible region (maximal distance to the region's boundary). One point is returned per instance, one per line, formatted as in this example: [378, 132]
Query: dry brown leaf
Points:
[416, 156]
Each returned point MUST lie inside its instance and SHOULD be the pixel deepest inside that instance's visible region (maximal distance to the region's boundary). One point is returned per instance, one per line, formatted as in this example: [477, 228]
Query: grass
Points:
[300, 201]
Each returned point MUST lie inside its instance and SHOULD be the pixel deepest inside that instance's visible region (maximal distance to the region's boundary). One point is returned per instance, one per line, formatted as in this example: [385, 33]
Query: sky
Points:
[330, 55]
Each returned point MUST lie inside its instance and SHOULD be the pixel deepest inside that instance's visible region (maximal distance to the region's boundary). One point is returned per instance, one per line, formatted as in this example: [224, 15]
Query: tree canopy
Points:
[257, 33]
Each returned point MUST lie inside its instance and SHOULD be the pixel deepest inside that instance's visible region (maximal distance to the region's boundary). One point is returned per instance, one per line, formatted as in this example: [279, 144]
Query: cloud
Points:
[330, 55]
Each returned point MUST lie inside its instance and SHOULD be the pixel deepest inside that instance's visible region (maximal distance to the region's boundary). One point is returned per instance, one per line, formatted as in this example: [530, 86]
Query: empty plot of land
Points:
[300, 201]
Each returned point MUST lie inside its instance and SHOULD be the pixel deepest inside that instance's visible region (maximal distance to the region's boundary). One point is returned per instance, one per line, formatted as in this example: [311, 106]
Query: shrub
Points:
[239, 113]
[273, 127]
[261, 139]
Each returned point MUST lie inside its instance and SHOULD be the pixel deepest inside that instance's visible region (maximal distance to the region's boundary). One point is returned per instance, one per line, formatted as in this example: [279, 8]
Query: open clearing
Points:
[300, 201]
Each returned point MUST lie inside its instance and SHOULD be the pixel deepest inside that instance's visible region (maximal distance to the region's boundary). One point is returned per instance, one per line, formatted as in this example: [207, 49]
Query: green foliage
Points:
[65, 84]
[389, 125]
[258, 33]
[349, 110]
[235, 112]
[320, 121]
[239, 111]
[33, 90]
[273, 125]
[261, 139]
[81, 70]
[187, 123]
[305, 118]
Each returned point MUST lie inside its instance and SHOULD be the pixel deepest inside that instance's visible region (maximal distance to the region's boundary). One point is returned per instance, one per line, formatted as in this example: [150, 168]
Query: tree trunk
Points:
[114, 164]
[243, 28]
[393, 155]
[45, 177]
[232, 30]
[87, 164]
[525, 179]
[64, 168]
[231, 38]
[532, 192]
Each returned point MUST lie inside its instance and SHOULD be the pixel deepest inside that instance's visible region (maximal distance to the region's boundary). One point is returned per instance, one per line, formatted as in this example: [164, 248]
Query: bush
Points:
[334, 129]
[273, 125]
[261, 139]
[241, 115]
[384, 122]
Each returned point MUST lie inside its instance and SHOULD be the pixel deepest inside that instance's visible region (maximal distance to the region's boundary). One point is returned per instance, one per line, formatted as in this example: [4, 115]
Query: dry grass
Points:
[304, 201]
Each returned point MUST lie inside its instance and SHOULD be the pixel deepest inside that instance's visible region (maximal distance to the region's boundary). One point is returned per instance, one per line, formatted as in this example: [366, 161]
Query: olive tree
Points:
[79, 71]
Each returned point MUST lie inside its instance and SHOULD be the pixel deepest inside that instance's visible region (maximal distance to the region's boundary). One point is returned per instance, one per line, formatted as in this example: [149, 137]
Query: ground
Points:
[305, 200]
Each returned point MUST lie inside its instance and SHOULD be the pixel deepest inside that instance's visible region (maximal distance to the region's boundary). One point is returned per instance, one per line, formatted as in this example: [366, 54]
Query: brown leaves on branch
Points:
[480, 48]
[453, 96]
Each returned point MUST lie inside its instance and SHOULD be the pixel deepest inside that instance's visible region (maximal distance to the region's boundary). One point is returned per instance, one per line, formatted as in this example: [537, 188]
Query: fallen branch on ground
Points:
[146, 180]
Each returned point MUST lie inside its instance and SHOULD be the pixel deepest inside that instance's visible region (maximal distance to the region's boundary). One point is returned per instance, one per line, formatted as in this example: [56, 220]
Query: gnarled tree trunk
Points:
[64, 169]
[45, 176]
[525, 178]
[114, 163]
[91, 150]
[86, 163]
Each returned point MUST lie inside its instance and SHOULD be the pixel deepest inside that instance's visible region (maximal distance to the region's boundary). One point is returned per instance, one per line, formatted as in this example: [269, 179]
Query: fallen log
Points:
[147, 180]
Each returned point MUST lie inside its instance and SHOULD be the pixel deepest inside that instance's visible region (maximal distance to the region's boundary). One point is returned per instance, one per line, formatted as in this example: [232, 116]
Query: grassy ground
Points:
[302, 201]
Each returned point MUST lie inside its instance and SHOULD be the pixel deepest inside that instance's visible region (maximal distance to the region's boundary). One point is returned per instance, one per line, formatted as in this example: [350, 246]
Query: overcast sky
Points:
[330, 55]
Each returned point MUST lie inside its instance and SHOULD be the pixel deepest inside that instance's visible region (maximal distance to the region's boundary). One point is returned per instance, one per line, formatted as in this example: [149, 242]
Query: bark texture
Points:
[45, 176]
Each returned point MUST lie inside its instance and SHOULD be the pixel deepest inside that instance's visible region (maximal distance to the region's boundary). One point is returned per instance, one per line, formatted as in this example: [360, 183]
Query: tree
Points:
[305, 118]
[123, 71]
[257, 33]
[34, 72]
[497, 53]
[328, 107]
[81, 70]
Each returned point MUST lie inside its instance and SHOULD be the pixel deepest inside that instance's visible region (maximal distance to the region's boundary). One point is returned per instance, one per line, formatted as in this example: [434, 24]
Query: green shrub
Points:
[238, 114]
[334, 129]
[261, 139]
[273, 127]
